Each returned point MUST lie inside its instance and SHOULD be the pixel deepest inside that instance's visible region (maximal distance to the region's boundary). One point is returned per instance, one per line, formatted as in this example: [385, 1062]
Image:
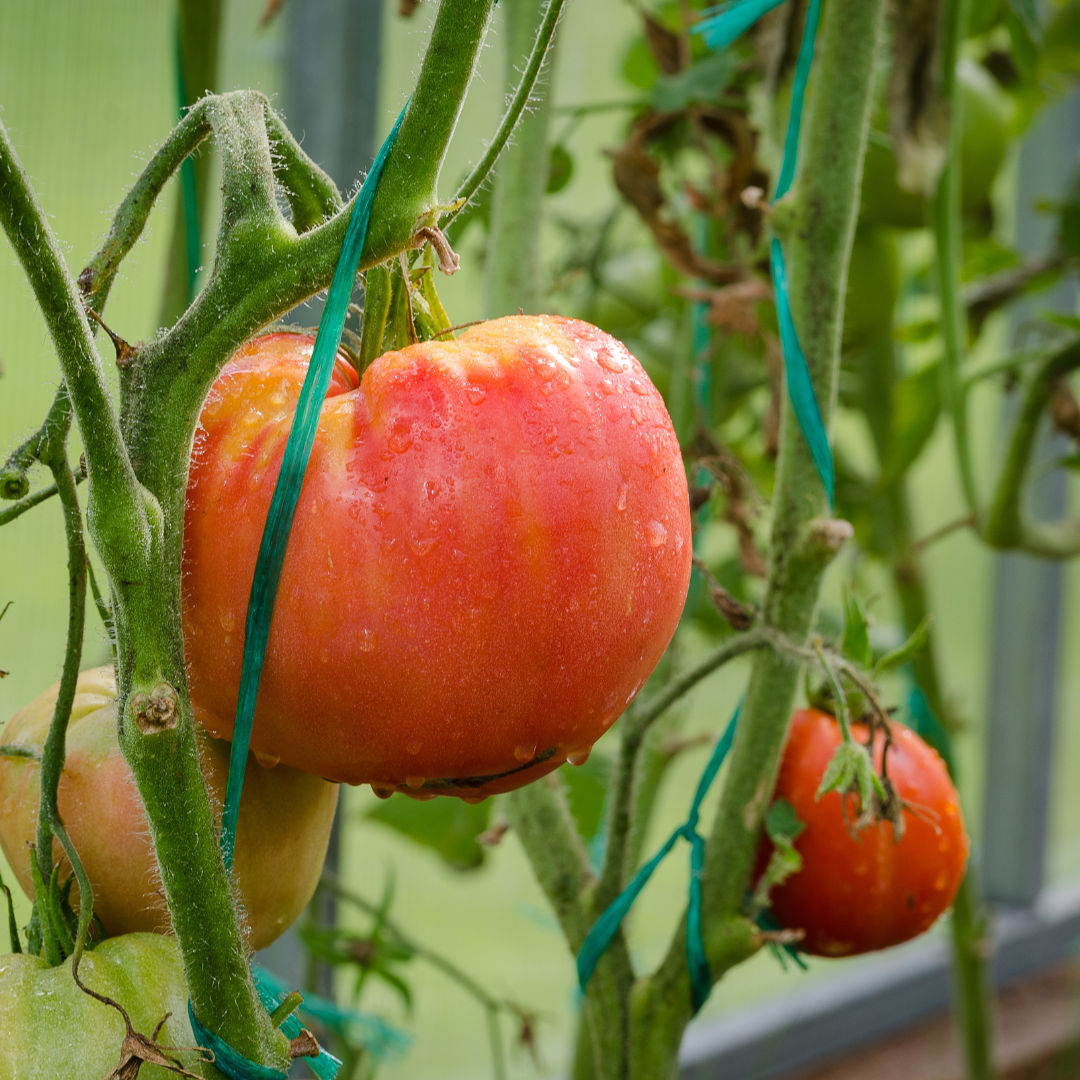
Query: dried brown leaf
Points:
[664, 45]
[918, 111]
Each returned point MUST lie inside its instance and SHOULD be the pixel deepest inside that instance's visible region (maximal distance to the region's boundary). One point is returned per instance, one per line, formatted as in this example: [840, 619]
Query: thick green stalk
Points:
[626, 782]
[513, 257]
[970, 930]
[156, 729]
[803, 539]
[198, 32]
[947, 239]
[543, 824]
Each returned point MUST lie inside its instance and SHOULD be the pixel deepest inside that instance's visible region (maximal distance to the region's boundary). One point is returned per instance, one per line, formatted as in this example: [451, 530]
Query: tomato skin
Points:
[490, 555]
[282, 834]
[855, 896]
[49, 1028]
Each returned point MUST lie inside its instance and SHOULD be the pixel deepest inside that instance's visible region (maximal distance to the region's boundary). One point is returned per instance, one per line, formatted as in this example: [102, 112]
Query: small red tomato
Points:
[858, 894]
[490, 554]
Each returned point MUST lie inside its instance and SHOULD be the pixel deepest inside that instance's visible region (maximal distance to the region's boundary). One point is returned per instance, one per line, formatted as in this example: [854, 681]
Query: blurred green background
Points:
[87, 93]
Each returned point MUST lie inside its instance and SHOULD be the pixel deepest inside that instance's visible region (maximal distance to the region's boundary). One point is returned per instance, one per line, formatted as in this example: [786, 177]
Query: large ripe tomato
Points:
[49, 1028]
[854, 895]
[284, 827]
[490, 555]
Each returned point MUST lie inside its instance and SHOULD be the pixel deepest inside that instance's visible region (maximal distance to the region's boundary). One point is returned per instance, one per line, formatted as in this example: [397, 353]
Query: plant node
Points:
[156, 711]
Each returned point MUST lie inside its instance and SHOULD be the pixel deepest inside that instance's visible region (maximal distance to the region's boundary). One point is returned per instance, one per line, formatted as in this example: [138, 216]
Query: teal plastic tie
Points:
[722, 26]
[726, 22]
[286, 495]
[227, 1061]
[800, 385]
[929, 728]
[264, 586]
[192, 239]
[798, 97]
[375, 1035]
[607, 926]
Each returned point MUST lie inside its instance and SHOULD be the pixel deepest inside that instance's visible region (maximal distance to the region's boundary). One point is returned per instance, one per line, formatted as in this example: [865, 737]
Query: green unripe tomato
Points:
[49, 1028]
[873, 286]
[984, 137]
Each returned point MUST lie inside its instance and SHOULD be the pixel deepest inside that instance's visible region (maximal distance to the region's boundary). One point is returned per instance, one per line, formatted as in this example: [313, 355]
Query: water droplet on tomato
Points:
[401, 437]
[473, 800]
[607, 386]
[475, 394]
[638, 387]
[624, 490]
[267, 761]
[609, 361]
[579, 757]
[383, 791]
[412, 747]
[421, 545]
[551, 435]
[367, 640]
[525, 751]
[941, 881]
[414, 781]
[655, 534]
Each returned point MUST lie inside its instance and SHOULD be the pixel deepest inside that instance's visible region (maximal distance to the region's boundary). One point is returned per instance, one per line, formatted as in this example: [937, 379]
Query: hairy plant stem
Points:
[543, 824]
[518, 103]
[974, 1009]
[137, 463]
[947, 240]
[803, 539]
[36, 499]
[626, 781]
[53, 454]
[513, 278]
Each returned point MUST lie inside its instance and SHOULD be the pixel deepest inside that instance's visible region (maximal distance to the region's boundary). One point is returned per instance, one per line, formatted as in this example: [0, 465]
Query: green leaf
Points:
[850, 767]
[640, 68]
[1027, 15]
[782, 825]
[377, 299]
[701, 82]
[856, 644]
[916, 403]
[447, 826]
[587, 786]
[429, 316]
[1070, 322]
[400, 330]
[561, 169]
[1061, 50]
[917, 332]
[905, 652]
[1025, 50]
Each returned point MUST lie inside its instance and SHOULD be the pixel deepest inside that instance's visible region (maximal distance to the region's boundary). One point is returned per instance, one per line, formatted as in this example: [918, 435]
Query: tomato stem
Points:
[513, 275]
[803, 540]
[534, 72]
